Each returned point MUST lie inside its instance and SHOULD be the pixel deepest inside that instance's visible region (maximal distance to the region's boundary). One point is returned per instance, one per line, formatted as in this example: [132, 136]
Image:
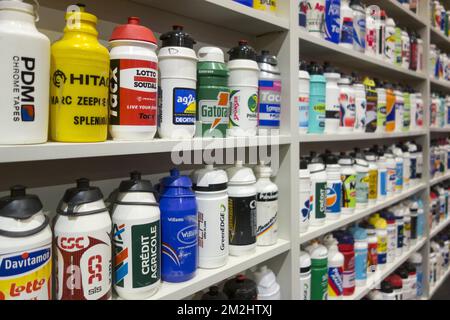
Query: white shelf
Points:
[439, 283]
[440, 130]
[354, 136]
[441, 226]
[330, 225]
[206, 278]
[441, 85]
[439, 179]
[376, 278]
[316, 48]
[439, 39]
[58, 150]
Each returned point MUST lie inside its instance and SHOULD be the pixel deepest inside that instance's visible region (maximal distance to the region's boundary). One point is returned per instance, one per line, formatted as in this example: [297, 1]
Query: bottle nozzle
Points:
[17, 191]
[83, 183]
[134, 20]
[135, 175]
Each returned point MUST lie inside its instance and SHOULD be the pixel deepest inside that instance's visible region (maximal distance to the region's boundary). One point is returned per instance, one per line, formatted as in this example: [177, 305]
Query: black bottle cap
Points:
[241, 288]
[177, 38]
[386, 287]
[214, 294]
[242, 51]
[304, 163]
[303, 65]
[266, 57]
[19, 204]
[136, 184]
[315, 68]
[81, 194]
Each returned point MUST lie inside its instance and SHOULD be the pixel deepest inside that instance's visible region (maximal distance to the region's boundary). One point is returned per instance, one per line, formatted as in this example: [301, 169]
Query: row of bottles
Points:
[332, 185]
[406, 283]
[439, 16]
[333, 266]
[132, 88]
[364, 29]
[440, 111]
[259, 285]
[439, 205]
[439, 261]
[333, 103]
[140, 236]
[439, 64]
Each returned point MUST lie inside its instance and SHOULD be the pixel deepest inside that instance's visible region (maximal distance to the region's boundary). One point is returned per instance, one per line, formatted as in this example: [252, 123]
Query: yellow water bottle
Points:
[79, 81]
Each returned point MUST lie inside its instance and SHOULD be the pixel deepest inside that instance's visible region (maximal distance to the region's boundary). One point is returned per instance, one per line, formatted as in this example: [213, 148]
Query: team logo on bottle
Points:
[334, 198]
[120, 256]
[213, 114]
[23, 80]
[252, 103]
[184, 106]
[59, 78]
[335, 282]
[305, 211]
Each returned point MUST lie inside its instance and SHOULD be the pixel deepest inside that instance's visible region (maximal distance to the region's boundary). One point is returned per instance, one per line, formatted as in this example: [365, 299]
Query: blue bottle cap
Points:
[344, 238]
[175, 180]
[388, 216]
[359, 234]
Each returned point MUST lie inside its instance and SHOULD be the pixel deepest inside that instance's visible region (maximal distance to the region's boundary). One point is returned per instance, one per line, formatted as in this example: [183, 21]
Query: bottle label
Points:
[334, 198]
[269, 103]
[348, 191]
[382, 183]
[372, 257]
[348, 110]
[84, 266]
[390, 113]
[400, 235]
[373, 184]
[347, 30]
[305, 288]
[317, 114]
[392, 180]
[242, 220]
[392, 242]
[362, 188]
[213, 117]
[382, 249]
[184, 106]
[26, 275]
[361, 107]
[133, 92]
[399, 175]
[361, 264]
[359, 32]
[371, 111]
[332, 20]
[243, 109]
[305, 198]
[303, 107]
[79, 100]
[266, 217]
[319, 284]
[137, 254]
[315, 16]
[389, 50]
[349, 271]
[318, 200]
[335, 282]
[407, 112]
[381, 114]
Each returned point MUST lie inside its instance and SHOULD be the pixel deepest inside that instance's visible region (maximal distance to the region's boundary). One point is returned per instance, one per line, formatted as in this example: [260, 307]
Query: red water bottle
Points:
[347, 248]
[414, 54]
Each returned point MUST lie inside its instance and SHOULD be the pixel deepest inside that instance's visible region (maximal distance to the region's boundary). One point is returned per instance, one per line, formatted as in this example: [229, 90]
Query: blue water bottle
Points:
[361, 254]
[179, 231]
[333, 20]
[316, 123]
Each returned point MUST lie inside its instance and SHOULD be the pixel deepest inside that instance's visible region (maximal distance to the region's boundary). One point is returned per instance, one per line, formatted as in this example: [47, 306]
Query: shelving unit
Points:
[439, 283]
[439, 228]
[49, 169]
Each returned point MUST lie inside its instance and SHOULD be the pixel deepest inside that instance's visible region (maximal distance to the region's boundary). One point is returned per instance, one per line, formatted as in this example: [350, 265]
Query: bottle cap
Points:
[211, 54]
[19, 204]
[133, 30]
[177, 38]
[242, 51]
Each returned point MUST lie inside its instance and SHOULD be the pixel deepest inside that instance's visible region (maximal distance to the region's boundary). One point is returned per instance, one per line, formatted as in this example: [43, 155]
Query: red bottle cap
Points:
[133, 31]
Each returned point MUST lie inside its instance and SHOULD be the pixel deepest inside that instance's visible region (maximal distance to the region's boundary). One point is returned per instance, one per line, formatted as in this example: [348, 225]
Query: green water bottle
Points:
[319, 271]
[213, 94]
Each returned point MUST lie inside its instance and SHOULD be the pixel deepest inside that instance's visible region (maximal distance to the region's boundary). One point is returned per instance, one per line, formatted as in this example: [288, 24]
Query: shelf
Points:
[317, 48]
[58, 150]
[405, 17]
[226, 14]
[441, 226]
[376, 278]
[440, 130]
[439, 283]
[354, 136]
[439, 39]
[208, 277]
[439, 178]
[440, 85]
[330, 225]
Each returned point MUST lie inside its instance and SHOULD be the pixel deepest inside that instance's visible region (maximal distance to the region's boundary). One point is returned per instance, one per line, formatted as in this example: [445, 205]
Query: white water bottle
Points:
[318, 193]
[136, 232]
[178, 82]
[372, 25]
[305, 195]
[359, 26]
[210, 186]
[25, 78]
[335, 271]
[243, 83]
[268, 287]
[389, 50]
[332, 106]
[347, 25]
[266, 207]
[347, 104]
[315, 18]
[305, 276]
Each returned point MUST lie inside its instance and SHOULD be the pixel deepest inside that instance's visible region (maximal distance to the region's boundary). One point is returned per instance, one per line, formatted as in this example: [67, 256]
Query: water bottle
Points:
[315, 18]
[347, 105]
[334, 187]
[303, 97]
[318, 198]
[348, 178]
[347, 25]
[359, 25]
[332, 20]
[361, 253]
[25, 58]
[319, 271]
[317, 100]
[332, 105]
[372, 105]
[305, 276]
[179, 226]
